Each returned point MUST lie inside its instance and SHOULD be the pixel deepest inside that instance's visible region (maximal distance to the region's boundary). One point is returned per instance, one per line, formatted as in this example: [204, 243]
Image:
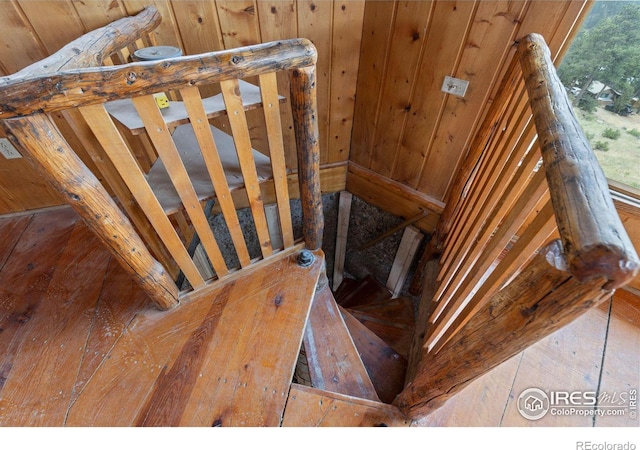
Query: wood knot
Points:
[237, 59]
[131, 77]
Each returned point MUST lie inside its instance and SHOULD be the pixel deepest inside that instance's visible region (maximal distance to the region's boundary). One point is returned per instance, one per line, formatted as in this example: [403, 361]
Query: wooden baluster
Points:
[542, 299]
[164, 145]
[453, 299]
[122, 193]
[197, 114]
[114, 146]
[67, 174]
[541, 229]
[270, 105]
[240, 130]
[304, 109]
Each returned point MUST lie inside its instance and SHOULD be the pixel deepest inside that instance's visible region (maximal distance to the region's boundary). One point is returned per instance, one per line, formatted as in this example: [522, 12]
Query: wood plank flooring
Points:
[80, 345]
[599, 352]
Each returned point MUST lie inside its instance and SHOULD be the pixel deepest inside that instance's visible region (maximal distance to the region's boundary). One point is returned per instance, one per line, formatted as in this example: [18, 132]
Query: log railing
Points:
[75, 85]
[493, 283]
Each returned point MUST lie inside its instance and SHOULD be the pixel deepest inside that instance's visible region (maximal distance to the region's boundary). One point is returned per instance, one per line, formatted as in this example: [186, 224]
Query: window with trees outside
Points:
[601, 72]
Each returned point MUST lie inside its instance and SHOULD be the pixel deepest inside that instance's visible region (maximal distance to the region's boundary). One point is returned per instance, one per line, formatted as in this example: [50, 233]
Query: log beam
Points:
[90, 49]
[40, 142]
[24, 95]
[303, 108]
[540, 301]
[592, 233]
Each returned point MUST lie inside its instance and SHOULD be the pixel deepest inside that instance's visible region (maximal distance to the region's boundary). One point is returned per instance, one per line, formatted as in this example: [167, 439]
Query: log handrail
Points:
[514, 306]
[73, 77]
[92, 48]
[594, 239]
[46, 93]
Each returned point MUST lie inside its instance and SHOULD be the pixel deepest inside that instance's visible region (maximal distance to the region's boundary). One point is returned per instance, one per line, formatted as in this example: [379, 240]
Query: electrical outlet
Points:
[455, 86]
[8, 150]
[161, 100]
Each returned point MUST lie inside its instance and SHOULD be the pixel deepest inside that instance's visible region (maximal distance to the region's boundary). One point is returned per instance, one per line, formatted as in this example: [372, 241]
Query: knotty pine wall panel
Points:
[33, 29]
[406, 130]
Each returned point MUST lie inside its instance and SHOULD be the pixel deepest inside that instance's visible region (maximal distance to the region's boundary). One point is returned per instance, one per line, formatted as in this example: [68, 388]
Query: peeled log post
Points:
[594, 239]
[303, 107]
[41, 143]
[540, 301]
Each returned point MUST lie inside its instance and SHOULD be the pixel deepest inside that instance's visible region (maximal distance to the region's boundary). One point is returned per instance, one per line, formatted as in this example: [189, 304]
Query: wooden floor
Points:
[81, 345]
[599, 352]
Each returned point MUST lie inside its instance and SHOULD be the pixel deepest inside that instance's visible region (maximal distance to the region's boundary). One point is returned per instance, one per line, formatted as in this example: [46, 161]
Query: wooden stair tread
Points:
[396, 335]
[385, 366]
[333, 360]
[310, 407]
[346, 286]
[177, 370]
[397, 310]
[176, 114]
[191, 156]
[367, 291]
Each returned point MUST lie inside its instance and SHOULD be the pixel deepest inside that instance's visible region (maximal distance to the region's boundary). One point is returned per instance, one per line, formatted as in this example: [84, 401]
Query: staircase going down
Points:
[357, 340]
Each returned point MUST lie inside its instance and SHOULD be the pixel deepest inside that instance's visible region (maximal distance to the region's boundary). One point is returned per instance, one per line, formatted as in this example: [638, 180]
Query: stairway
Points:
[357, 340]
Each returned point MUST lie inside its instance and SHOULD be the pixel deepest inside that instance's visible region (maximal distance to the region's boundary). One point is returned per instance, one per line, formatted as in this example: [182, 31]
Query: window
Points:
[601, 72]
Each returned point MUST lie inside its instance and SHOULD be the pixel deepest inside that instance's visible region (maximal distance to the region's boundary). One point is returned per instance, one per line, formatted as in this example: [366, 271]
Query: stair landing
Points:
[81, 345]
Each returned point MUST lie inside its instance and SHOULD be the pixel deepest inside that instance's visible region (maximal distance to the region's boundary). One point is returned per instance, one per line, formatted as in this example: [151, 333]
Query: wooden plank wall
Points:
[409, 134]
[33, 29]
[381, 66]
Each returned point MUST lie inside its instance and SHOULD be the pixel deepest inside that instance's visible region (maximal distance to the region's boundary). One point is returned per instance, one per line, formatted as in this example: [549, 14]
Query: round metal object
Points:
[305, 258]
[156, 53]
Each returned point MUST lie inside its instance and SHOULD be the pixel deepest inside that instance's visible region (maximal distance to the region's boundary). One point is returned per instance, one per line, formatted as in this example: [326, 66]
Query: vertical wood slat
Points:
[344, 212]
[197, 114]
[270, 105]
[278, 20]
[114, 146]
[541, 300]
[314, 20]
[345, 56]
[57, 162]
[409, 244]
[505, 151]
[238, 122]
[405, 54]
[510, 195]
[161, 137]
[378, 21]
[452, 298]
[500, 196]
[106, 168]
[538, 233]
[444, 46]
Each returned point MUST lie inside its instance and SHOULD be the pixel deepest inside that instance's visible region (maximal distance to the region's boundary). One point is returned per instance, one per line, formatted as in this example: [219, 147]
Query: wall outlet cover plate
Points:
[8, 150]
[455, 86]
